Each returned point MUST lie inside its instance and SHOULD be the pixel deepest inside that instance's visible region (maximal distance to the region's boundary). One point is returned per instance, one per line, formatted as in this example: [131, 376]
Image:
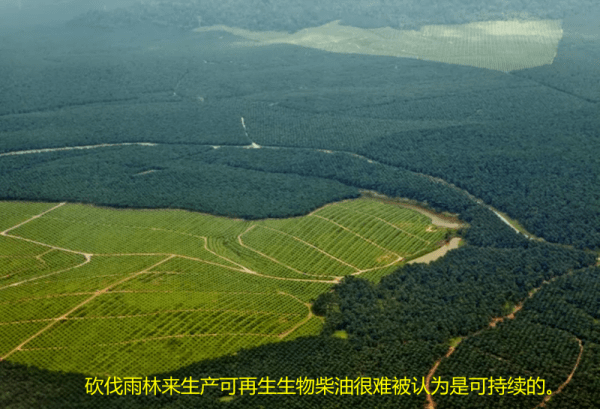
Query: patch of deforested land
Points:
[81, 284]
[523, 142]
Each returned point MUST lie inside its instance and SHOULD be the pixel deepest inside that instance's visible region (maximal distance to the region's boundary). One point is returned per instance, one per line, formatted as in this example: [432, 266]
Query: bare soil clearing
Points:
[434, 255]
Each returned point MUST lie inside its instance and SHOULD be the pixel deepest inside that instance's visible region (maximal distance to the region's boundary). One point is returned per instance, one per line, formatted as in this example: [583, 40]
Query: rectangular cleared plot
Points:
[357, 250]
[121, 304]
[294, 253]
[336, 241]
[98, 331]
[140, 358]
[11, 335]
[32, 309]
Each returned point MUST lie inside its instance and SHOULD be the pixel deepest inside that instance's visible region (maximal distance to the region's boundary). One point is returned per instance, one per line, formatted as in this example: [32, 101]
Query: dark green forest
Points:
[329, 125]
[524, 143]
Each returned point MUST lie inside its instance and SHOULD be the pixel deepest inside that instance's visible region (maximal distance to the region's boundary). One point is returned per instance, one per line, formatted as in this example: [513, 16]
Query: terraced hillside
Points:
[105, 291]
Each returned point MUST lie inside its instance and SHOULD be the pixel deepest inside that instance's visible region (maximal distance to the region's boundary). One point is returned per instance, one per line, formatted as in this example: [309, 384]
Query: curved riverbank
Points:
[434, 255]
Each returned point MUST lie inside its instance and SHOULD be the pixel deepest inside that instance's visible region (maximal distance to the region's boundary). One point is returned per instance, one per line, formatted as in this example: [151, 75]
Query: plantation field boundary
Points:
[46, 312]
[241, 268]
[542, 404]
[438, 220]
[434, 255]
[135, 315]
[4, 233]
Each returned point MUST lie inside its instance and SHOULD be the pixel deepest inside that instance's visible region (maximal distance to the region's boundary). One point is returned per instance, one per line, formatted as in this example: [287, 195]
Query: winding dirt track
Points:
[430, 403]
[72, 310]
[542, 404]
[94, 295]
[71, 148]
[169, 256]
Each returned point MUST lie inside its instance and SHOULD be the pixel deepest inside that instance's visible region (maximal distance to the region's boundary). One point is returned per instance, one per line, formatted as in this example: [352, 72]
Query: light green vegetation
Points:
[455, 341]
[340, 334]
[104, 291]
[496, 45]
[15, 213]
[508, 307]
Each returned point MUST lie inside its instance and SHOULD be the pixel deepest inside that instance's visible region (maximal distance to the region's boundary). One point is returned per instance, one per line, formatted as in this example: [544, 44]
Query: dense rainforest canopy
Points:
[524, 143]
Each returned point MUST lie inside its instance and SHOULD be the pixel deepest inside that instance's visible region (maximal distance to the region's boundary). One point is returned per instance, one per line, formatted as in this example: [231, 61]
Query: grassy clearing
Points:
[340, 334]
[105, 291]
[497, 45]
[455, 341]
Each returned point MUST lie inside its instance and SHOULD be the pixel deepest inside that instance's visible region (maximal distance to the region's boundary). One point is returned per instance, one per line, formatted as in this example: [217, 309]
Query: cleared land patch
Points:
[497, 45]
[105, 291]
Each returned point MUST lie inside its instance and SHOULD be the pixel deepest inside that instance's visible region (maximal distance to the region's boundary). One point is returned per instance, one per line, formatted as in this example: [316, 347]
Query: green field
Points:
[134, 292]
